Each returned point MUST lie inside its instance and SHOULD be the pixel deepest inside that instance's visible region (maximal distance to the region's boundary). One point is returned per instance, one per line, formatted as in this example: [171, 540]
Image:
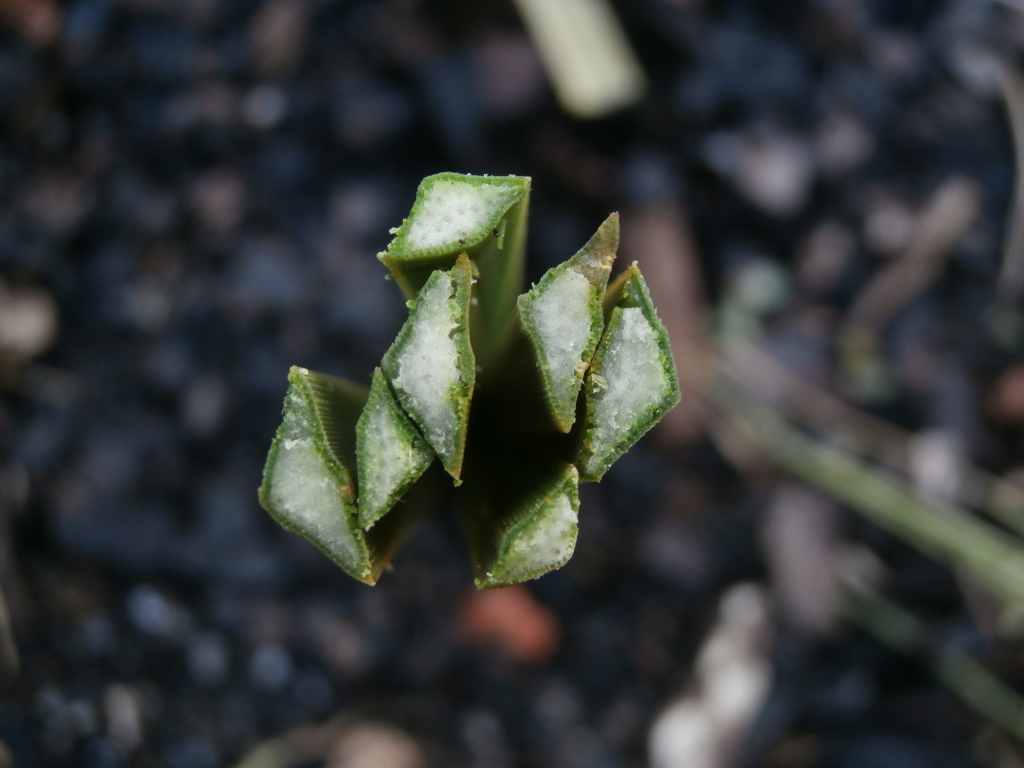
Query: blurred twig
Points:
[949, 213]
[862, 433]
[964, 675]
[591, 65]
[1011, 275]
[943, 531]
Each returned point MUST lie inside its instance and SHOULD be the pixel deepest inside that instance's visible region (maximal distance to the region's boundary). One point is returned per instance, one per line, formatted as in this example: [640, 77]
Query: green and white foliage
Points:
[519, 397]
[632, 382]
[562, 316]
[392, 453]
[431, 365]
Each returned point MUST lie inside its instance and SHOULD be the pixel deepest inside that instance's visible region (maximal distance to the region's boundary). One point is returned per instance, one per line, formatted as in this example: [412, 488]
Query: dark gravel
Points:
[202, 187]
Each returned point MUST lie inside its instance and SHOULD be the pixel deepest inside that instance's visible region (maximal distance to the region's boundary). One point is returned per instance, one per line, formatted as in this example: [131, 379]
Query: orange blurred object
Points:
[1006, 402]
[38, 21]
[512, 619]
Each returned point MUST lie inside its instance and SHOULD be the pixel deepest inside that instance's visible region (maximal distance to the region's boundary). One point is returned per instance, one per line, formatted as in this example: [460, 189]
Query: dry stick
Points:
[943, 531]
[1011, 275]
[951, 210]
[10, 660]
[897, 628]
[588, 58]
[972, 682]
[862, 433]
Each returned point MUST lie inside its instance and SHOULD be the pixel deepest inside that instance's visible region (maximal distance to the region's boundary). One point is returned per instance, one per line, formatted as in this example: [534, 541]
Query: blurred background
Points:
[815, 561]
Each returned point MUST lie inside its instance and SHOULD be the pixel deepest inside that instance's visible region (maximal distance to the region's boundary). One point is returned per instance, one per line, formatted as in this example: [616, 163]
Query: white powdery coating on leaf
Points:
[561, 316]
[428, 367]
[389, 459]
[546, 543]
[303, 493]
[635, 380]
[454, 210]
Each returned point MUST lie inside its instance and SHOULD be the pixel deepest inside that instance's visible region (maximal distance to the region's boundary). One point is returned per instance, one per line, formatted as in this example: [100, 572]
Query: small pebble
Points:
[482, 734]
[761, 285]
[510, 76]
[152, 613]
[279, 31]
[772, 170]
[375, 745]
[204, 405]
[219, 200]
[842, 143]
[313, 691]
[265, 106]
[28, 320]
[122, 709]
[512, 619]
[889, 227]
[1006, 399]
[209, 658]
[83, 717]
[270, 667]
[824, 255]
[58, 202]
[775, 174]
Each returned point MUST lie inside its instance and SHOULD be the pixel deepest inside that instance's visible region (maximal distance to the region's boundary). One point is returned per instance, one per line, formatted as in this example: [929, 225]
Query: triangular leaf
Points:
[562, 317]
[632, 381]
[307, 486]
[392, 454]
[483, 217]
[431, 366]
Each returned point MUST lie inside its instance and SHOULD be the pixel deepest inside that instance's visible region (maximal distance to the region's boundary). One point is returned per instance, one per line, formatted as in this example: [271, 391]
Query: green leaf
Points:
[307, 484]
[632, 381]
[521, 398]
[483, 217]
[392, 454]
[453, 214]
[500, 270]
[308, 479]
[431, 365]
[562, 317]
[521, 520]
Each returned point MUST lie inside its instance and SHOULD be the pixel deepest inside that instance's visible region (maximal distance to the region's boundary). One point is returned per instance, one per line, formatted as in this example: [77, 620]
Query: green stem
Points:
[947, 533]
[978, 688]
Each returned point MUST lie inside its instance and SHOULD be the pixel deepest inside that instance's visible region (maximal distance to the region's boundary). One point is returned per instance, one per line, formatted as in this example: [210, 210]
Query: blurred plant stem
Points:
[861, 433]
[592, 67]
[943, 531]
[1011, 274]
[978, 688]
